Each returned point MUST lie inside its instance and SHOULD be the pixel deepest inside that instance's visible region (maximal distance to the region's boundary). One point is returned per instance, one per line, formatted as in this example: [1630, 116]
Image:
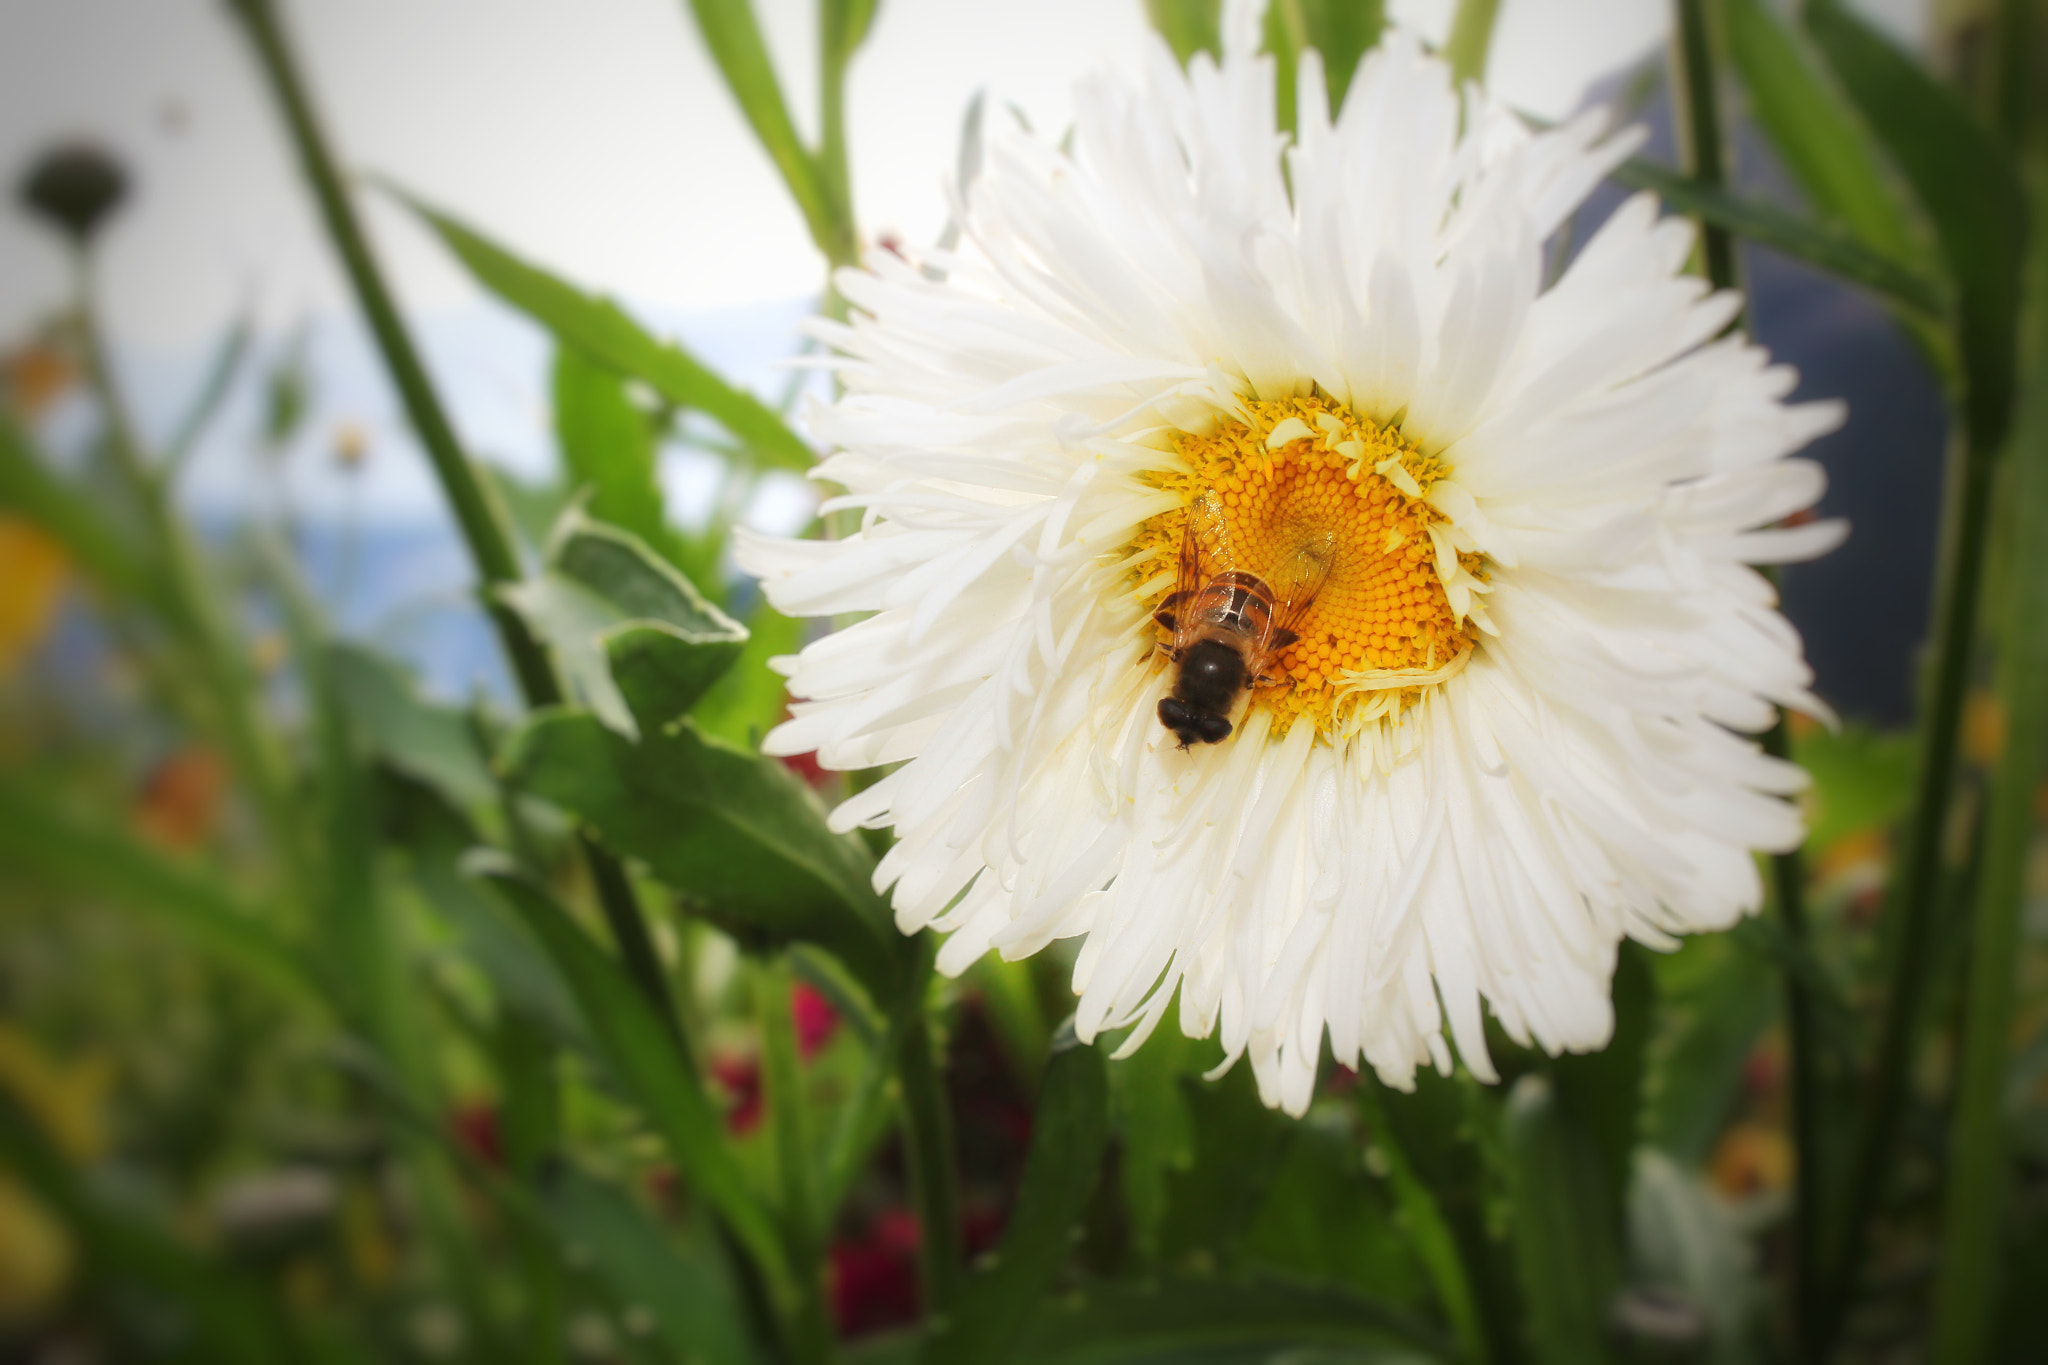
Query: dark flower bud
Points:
[75, 186]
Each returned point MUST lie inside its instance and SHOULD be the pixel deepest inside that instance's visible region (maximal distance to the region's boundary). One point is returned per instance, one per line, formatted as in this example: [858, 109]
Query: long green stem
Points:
[481, 519]
[1703, 146]
[841, 25]
[1918, 883]
[788, 1111]
[928, 1152]
[1471, 38]
[1966, 1288]
[231, 701]
[1696, 103]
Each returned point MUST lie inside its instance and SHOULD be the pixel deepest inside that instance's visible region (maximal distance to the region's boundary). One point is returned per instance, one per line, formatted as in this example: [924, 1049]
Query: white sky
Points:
[593, 135]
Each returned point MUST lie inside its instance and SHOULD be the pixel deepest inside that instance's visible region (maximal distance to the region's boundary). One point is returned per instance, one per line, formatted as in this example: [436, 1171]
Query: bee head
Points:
[1190, 726]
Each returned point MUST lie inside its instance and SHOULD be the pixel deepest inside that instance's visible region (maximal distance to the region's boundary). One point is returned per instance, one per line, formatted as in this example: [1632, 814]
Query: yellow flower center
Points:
[1397, 612]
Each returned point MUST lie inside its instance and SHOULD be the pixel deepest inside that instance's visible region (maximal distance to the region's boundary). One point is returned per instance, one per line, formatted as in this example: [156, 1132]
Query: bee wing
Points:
[1295, 580]
[1205, 550]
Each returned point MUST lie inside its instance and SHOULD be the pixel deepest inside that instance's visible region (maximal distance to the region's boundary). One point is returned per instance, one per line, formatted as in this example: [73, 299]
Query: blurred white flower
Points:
[1506, 737]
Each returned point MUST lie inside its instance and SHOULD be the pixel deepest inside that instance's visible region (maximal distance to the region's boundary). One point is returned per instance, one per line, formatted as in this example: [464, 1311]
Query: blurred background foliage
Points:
[343, 1022]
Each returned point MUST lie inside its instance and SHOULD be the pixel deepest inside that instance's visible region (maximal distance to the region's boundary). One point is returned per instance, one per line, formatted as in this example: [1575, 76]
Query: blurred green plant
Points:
[578, 1034]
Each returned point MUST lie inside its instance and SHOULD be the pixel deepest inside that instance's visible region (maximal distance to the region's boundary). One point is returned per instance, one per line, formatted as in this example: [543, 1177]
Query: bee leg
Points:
[1165, 618]
[1284, 637]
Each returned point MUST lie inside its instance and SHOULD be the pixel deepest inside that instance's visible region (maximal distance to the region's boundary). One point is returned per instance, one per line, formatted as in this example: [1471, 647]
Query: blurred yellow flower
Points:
[36, 1256]
[1983, 727]
[1751, 1159]
[67, 1098]
[32, 569]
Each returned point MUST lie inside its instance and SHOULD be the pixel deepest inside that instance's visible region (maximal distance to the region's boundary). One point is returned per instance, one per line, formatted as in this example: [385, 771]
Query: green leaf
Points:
[637, 640]
[37, 837]
[682, 1286]
[1156, 1128]
[1965, 185]
[1068, 1132]
[433, 744]
[1824, 247]
[1211, 1319]
[608, 448]
[1328, 1221]
[1422, 1222]
[751, 698]
[602, 331]
[1862, 781]
[1445, 1129]
[1009, 1000]
[1816, 132]
[729, 30]
[734, 832]
[1564, 1225]
[1189, 26]
[646, 1057]
[437, 839]
[1239, 1147]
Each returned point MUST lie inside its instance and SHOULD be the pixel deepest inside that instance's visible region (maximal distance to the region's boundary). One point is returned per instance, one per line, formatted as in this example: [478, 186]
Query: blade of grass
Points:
[842, 27]
[729, 30]
[928, 1143]
[36, 836]
[788, 1113]
[1815, 131]
[603, 332]
[1695, 66]
[220, 377]
[1069, 1128]
[1967, 189]
[1828, 249]
[1431, 1235]
[482, 520]
[1967, 1282]
[645, 1056]
[29, 489]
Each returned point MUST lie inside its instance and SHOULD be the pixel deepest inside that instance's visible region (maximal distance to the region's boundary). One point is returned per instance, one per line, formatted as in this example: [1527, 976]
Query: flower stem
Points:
[788, 1112]
[1696, 99]
[1919, 877]
[1696, 102]
[232, 702]
[1966, 1286]
[480, 518]
[928, 1146]
[1471, 39]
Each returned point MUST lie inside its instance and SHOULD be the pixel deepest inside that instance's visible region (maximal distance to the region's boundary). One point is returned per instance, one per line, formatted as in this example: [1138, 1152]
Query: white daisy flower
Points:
[1507, 733]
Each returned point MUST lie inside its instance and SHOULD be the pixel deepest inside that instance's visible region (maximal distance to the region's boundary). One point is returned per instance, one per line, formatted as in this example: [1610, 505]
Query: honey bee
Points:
[1231, 618]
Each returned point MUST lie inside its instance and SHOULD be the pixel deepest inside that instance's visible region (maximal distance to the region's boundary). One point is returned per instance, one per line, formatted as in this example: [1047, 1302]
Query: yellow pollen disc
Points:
[1382, 628]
